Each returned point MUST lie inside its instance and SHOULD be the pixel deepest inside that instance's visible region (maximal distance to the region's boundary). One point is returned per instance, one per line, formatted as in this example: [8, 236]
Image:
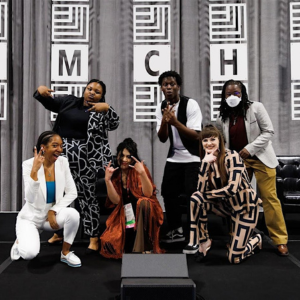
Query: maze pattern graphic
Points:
[152, 22]
[70, 23]
[146, 98]
[294, 21]
[228, 22]
[3, 100]
[3, 21]
[66, 89]
[295, 90]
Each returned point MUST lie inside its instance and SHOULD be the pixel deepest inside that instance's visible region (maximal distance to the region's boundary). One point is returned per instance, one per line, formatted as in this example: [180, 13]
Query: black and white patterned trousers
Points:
[85, 179]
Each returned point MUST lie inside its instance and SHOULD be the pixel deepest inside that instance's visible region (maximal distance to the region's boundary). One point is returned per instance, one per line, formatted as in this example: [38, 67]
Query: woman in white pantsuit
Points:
[49, 189]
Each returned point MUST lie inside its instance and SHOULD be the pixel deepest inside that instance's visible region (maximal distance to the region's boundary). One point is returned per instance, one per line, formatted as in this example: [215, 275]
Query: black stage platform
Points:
[262, 276]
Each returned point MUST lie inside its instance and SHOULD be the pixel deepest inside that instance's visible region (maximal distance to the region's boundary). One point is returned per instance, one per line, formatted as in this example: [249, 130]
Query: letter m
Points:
[63, 59]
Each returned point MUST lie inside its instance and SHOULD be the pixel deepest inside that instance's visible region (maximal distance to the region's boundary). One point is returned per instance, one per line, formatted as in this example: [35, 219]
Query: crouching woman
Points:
[134, 224]
[49, 190]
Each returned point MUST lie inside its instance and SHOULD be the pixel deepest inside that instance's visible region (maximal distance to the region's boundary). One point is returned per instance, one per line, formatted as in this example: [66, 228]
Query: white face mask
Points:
[233, 101]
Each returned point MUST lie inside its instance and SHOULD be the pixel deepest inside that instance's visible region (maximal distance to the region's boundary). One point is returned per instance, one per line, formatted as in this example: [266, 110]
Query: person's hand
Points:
[98, 107]
[52, 220]
[138, 166]
[169, 114]
[44, 91]
[109, 171]
[211, 155]
[38, 159]
[244, 153]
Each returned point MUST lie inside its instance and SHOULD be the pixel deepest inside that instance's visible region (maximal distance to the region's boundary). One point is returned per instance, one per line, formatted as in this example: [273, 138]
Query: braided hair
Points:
[241, 109]
[44, 139]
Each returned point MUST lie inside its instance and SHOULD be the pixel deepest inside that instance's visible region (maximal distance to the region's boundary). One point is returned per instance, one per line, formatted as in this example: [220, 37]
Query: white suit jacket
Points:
[259, 130]
[36, 193]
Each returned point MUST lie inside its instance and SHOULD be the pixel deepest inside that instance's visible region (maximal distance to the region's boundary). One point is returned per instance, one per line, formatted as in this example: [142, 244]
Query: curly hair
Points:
[242, 107]
[170, 74]
[131, 146]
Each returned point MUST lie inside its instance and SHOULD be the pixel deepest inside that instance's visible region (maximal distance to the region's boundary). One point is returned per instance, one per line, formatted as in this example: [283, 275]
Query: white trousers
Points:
[28, 235]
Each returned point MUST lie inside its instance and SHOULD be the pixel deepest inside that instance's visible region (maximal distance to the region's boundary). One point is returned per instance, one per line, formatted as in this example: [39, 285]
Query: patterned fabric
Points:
[237, 199]
[242, 242]
[113, 238]
[86, 158]
[238, 191]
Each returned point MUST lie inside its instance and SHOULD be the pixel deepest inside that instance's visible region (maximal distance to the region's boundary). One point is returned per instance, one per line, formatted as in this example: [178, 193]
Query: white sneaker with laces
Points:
[71, 259]
[14, 252]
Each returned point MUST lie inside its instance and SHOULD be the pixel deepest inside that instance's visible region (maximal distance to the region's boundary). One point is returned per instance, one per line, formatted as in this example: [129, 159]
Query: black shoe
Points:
[173, 236]
[89, 251]
[190, 249]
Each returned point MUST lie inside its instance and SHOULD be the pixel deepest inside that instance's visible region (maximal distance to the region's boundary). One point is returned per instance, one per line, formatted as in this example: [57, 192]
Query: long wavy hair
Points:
[131, 146]
[241, 109]
[211, 131]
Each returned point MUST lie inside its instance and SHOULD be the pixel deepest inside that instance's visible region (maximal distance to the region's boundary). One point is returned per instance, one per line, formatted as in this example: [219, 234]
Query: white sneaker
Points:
[14, 252]
[71, 259]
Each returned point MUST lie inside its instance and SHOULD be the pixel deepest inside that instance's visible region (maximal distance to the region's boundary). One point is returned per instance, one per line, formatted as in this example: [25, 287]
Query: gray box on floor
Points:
[156, 276]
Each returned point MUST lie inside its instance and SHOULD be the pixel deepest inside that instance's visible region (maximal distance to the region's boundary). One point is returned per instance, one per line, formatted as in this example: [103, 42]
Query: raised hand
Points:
[109, 171]
[38, 159]
[138, 166]
[37, 163]
[98, 107]
[169, 114]
[45, 91]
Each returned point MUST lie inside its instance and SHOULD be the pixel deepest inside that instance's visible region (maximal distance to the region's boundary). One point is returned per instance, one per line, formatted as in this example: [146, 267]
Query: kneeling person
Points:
[49, 189]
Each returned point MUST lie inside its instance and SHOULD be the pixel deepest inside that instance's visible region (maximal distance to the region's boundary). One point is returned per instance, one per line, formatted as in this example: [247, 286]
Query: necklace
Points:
[48, 172]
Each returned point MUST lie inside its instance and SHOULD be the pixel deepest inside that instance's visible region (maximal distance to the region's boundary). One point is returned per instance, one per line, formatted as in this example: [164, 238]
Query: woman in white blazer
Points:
[49, 190]
[247, 129]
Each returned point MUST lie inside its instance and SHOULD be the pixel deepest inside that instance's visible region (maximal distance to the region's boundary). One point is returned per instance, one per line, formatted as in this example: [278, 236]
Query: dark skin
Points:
[235, 90]
[47, 157]
[92, 95]
[171, 89]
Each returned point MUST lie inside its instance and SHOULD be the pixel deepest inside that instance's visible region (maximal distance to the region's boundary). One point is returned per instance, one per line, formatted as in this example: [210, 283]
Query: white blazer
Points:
[260, 131]
[36, 193]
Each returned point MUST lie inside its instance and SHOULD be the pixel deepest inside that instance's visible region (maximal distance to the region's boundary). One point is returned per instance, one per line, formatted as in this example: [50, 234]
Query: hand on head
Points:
[138, 166]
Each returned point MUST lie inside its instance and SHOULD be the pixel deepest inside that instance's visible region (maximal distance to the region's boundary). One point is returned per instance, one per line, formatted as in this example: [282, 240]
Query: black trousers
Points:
[179, 178]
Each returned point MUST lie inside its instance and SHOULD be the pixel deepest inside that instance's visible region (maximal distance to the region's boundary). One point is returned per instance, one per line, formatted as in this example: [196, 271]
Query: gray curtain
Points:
[111, 59]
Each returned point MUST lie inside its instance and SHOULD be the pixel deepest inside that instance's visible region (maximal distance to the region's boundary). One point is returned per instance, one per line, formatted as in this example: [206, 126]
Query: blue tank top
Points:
[50, 191]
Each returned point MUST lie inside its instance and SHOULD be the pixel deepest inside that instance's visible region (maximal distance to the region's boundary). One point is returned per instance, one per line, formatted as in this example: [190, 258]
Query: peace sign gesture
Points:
[38, 159]
[37, 163]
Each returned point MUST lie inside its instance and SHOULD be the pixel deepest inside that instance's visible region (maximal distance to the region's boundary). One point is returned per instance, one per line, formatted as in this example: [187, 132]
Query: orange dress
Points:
[113, 238]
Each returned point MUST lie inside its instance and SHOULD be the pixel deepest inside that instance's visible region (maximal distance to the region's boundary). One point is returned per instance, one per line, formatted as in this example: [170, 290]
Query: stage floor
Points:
[262, 276]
